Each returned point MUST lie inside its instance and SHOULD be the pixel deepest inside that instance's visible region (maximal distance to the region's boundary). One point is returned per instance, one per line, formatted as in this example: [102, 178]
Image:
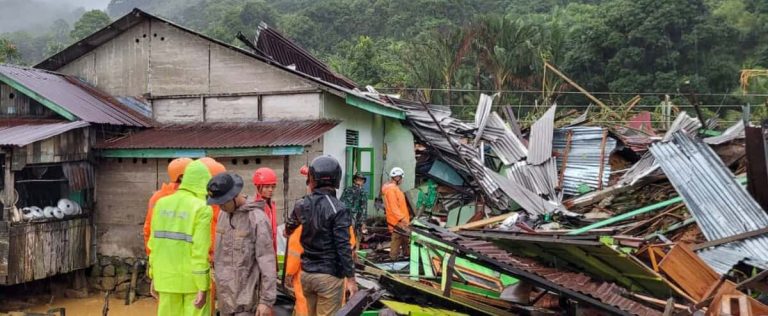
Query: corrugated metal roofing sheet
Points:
[504, 142]
[279, 48]
[736, 131]
[647, 165]
[85, 102]
[583, 160]
[540, 146]
[481, 115]
[224, 135]
[24, 132]
[725, 257]
[721, 207]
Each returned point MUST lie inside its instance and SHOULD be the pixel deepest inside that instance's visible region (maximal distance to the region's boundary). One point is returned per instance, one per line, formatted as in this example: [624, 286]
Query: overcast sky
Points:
[37, 15]
[88, 4]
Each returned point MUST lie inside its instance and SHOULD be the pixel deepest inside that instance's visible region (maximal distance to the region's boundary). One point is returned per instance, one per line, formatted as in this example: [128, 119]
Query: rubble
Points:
[599, 218]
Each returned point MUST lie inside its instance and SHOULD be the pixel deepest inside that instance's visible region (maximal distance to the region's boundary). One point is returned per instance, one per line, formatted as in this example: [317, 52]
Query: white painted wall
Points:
[400, 152]
[375, 131]
[232, 109]
[291, 107]
[334, 141]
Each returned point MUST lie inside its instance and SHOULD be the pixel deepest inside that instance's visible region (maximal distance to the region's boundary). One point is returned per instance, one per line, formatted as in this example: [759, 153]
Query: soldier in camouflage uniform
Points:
[356, 201]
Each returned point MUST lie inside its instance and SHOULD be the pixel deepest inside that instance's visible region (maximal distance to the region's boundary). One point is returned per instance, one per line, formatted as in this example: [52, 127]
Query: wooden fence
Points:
[40, 250]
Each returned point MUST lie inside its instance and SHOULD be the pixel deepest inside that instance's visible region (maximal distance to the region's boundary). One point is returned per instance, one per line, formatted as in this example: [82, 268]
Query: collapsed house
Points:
[582, 217]
[562, 216]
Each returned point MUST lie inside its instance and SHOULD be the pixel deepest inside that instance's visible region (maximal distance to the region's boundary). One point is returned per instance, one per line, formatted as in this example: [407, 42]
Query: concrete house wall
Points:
[188, 79]
[392, 143]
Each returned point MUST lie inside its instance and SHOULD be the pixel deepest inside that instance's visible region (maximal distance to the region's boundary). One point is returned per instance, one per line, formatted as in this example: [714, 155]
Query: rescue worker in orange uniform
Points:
[293, 263]
[398, 216]
[175, 174]
[265, 181]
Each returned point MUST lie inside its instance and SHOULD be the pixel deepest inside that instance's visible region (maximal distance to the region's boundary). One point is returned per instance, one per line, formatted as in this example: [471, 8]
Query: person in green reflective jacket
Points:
[180, 237]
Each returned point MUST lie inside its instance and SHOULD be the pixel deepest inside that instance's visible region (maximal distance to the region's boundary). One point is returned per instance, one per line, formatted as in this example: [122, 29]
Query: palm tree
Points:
[508, 52]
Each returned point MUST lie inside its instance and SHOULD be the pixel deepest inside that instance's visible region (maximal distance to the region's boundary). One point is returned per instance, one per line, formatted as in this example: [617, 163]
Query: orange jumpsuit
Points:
[395, 205]
[293, 268]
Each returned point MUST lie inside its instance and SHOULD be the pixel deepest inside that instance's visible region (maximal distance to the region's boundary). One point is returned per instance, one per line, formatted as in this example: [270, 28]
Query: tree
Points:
[8, 52]
[89, 23]
[507, 51]
[58, 37]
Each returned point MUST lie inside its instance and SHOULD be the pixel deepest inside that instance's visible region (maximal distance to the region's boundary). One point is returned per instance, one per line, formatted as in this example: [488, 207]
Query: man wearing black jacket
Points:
[328, 268]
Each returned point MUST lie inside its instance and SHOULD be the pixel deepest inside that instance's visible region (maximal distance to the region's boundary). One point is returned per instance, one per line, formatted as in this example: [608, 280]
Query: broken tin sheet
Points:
[540, 145]
[720, 205]
[584, 162]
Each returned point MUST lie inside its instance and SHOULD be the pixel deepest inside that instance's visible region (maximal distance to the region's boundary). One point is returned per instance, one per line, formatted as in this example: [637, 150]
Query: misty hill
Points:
[34, 16]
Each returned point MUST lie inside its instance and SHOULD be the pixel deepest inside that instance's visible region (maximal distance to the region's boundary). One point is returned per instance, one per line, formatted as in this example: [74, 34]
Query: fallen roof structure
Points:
[605, 296]
[721, 206]
[592, 254]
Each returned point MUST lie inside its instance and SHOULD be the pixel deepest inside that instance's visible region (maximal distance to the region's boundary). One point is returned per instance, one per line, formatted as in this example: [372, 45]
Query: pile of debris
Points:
[581, 218]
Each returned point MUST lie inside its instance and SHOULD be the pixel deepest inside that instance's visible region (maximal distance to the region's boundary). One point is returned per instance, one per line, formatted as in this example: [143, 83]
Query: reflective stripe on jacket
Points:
[181, 236]
[165, 190]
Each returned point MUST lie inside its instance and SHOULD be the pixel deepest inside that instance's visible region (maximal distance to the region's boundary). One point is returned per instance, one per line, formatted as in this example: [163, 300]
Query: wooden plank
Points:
[4, 247]
[481, 223]
[40, 250]
[688, 271]
[733, 238]
[729, 289]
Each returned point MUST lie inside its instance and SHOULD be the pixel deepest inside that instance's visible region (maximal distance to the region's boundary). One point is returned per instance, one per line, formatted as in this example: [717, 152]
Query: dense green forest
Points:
[453, 49]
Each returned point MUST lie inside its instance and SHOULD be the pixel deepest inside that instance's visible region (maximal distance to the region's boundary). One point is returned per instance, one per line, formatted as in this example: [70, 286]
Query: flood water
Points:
[92, 306]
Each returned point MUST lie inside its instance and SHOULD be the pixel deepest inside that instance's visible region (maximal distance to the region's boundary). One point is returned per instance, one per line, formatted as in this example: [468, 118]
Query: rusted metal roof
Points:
[75, 97]
[224, 135]
[24, 132]
[277, 47]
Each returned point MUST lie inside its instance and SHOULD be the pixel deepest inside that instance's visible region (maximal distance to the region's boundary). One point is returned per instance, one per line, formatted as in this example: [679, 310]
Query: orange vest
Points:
[293, 267]
[395, 205]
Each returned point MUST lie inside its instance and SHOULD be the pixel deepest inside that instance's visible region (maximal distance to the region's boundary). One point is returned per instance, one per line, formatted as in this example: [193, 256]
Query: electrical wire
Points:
[572, 92]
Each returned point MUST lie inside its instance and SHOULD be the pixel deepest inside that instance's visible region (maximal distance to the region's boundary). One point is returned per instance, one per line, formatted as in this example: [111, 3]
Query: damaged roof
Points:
[604, 295]
[722, 208]
[589, 254]
[347, 90]
[224, 135]
[279, 48]
[70, 97]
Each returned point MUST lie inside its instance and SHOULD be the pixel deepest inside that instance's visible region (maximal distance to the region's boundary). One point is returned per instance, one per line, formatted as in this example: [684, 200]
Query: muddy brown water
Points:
[92, 306]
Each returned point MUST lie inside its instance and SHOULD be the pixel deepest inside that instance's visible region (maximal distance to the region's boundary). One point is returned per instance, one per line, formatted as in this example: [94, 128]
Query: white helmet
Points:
[396, 172]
